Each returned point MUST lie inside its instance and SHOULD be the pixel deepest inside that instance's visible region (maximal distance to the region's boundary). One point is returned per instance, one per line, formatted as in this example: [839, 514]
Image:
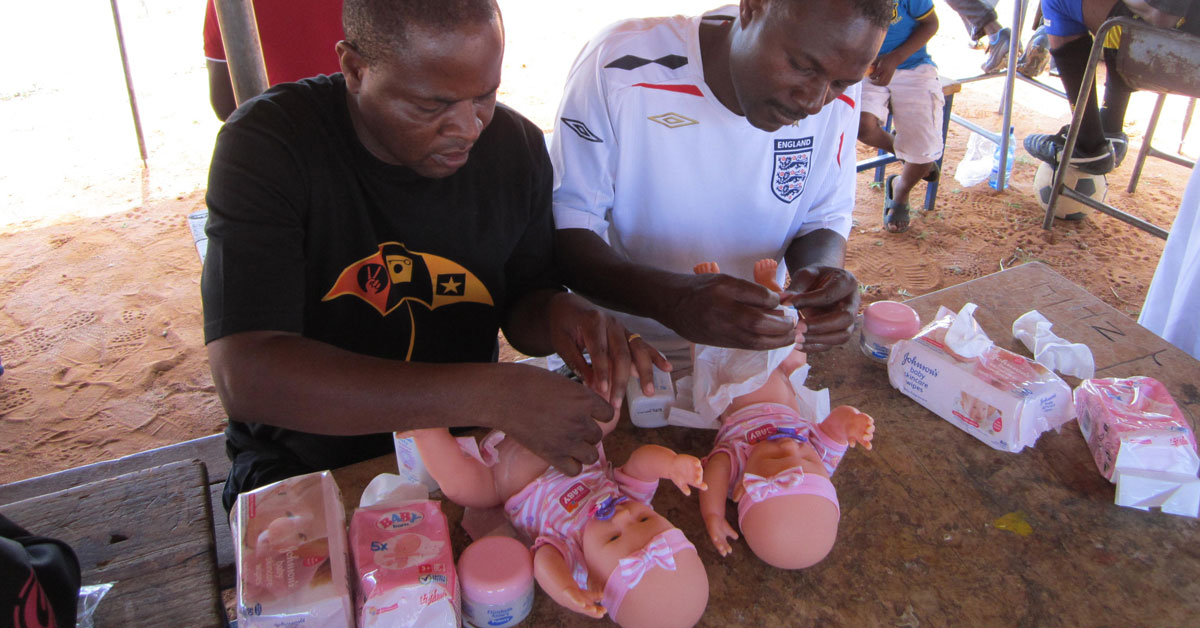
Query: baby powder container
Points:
[496, 574]
[885, 322]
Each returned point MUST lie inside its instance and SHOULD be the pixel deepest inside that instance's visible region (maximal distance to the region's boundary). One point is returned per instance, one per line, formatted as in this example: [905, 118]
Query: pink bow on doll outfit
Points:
[793, 481]
[659, 552]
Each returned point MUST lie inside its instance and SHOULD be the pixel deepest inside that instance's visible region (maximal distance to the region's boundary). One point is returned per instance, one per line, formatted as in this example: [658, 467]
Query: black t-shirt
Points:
[309, 233]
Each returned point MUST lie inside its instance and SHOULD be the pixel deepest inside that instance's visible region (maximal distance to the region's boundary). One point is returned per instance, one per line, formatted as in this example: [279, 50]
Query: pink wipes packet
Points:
[1133, 423]
[290, 551]
[405, 565]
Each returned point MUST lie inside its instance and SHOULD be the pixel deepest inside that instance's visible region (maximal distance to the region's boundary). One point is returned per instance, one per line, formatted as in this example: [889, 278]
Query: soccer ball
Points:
[1091, 185]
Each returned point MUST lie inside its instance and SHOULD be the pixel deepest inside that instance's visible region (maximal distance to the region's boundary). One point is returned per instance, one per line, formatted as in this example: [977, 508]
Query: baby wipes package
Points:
[1141, 442]
[1002, 398]
[402, 555]
[290, 550]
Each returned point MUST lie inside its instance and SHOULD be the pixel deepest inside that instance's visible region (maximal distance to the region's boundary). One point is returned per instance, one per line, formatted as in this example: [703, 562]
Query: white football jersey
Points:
[647, 157]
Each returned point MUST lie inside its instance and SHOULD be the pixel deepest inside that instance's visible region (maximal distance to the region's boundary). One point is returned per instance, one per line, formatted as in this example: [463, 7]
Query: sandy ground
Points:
[100, 324]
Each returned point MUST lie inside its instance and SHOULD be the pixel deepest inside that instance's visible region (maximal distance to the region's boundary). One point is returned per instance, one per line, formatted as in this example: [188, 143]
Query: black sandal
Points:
[894, 214]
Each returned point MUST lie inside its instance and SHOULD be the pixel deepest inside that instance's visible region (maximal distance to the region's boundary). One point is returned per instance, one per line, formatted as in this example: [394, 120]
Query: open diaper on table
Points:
[403, 558]
[1141, 442]
[290, 550]
[953, 369]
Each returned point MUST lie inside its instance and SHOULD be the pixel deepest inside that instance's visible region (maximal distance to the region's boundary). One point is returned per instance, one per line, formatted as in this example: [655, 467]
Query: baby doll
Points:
[775, 463]
[598, 545]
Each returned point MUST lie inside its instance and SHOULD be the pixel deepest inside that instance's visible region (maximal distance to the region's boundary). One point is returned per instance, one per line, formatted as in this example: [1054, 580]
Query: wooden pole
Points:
[243, 49]
[137, 120]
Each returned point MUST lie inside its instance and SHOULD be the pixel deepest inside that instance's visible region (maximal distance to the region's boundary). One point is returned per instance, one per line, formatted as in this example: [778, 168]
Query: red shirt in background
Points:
[297, 37]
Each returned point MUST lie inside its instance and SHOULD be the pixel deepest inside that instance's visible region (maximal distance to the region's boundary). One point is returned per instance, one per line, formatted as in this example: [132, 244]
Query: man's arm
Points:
[711, 309]
[286, 380]
[825, 293]
[220, 89]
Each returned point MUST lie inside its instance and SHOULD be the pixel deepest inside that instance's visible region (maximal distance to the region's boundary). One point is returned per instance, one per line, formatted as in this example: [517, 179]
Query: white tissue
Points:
[391, 488]
[1174, 493]
[721, 374]
[965, 337]
[1068, 358]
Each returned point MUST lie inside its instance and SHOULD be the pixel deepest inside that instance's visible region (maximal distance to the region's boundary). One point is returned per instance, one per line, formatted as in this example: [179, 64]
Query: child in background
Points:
[905, 75]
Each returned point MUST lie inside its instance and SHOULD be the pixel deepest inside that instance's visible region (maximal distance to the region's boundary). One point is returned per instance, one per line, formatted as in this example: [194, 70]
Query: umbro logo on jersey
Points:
[631, 62]
[581, 130]
[672, 120]
[793, 159]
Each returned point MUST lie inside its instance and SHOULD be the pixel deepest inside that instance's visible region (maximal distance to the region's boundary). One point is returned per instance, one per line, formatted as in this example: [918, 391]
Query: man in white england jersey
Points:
[727, 137]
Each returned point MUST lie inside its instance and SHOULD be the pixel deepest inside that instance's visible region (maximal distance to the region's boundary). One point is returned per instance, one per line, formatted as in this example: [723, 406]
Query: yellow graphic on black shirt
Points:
[394, 276]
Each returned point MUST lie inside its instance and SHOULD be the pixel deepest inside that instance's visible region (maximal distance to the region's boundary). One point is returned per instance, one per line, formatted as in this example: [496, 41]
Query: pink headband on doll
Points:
[793, 481]
[659, 552]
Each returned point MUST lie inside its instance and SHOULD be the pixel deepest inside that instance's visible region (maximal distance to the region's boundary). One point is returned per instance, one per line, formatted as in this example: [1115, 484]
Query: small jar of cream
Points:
[885, 322]
[496, 574]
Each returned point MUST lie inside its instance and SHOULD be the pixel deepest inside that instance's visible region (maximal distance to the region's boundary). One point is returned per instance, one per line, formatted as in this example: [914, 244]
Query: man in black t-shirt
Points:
[369, 233]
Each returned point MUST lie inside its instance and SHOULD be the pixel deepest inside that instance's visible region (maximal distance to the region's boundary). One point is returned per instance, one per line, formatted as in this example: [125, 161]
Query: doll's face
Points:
[772, 457]
[631, 527]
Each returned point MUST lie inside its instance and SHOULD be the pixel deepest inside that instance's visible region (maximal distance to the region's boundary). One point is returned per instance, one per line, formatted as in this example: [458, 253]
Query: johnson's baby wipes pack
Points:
[290, 548]
[403, 558]
[953, 369]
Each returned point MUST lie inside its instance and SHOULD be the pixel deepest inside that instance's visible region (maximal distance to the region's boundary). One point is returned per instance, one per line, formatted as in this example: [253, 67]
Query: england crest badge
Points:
[793, 158]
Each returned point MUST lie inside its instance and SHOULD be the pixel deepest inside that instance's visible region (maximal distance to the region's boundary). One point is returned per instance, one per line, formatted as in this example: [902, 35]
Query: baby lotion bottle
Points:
[496, 574]
[885, 322]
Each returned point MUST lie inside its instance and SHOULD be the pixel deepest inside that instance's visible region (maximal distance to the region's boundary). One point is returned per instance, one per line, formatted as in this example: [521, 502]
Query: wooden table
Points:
[937, 528]
[150, 532]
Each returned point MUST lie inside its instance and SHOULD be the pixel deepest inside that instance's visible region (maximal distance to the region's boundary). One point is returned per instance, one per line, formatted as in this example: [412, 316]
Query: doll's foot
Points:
[706, 268]
[764, 274]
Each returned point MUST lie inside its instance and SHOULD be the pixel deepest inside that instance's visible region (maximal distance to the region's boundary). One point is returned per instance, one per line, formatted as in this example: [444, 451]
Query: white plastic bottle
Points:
[994, 176]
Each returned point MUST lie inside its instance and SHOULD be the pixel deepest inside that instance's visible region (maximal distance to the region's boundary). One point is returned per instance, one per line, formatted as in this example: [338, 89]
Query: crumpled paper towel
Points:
[1068, 358]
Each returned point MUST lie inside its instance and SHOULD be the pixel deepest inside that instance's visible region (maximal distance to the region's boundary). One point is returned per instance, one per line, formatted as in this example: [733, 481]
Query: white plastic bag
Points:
[976, 163]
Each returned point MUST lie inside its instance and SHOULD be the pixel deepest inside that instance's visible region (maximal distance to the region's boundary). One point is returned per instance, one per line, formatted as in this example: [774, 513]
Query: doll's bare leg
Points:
[464, 480]
[764, 274]
[706, 268]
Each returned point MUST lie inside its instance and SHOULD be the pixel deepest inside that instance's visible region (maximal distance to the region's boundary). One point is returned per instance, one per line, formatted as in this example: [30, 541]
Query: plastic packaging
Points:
[650, 411]
[402, 555]
[408, 460]
[993, 176]
[290, 551]
[976, 161]
[884, 323]
[496, 573]
[89, 599]
[1141, 441]
[1003, 399]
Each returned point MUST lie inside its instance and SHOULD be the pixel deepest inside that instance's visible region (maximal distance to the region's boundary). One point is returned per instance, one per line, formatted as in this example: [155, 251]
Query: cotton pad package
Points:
[290, 550]
[953, 369]
[403, 559]
[1141, 442]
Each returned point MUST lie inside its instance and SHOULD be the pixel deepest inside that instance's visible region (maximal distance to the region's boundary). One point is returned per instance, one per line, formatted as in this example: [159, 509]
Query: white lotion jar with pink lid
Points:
[884, 323]
[496, 574]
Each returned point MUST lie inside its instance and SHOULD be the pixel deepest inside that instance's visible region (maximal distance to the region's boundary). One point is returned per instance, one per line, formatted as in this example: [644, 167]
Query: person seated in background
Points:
[905, 77]
[1102, 142]
[297, 38]
[980, 18]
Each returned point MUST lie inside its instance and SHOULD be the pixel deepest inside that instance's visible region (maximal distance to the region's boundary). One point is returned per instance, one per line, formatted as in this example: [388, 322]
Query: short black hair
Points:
[879, 13]
[379, 29]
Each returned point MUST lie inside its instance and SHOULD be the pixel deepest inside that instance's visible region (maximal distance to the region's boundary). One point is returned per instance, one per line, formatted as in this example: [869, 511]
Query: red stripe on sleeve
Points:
[846, 99]
[841, 138]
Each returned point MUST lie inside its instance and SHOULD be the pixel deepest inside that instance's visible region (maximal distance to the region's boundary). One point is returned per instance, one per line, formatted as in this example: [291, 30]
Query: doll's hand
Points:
[719, 532]
[686, 470]
[851, 426]
[584, 601]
